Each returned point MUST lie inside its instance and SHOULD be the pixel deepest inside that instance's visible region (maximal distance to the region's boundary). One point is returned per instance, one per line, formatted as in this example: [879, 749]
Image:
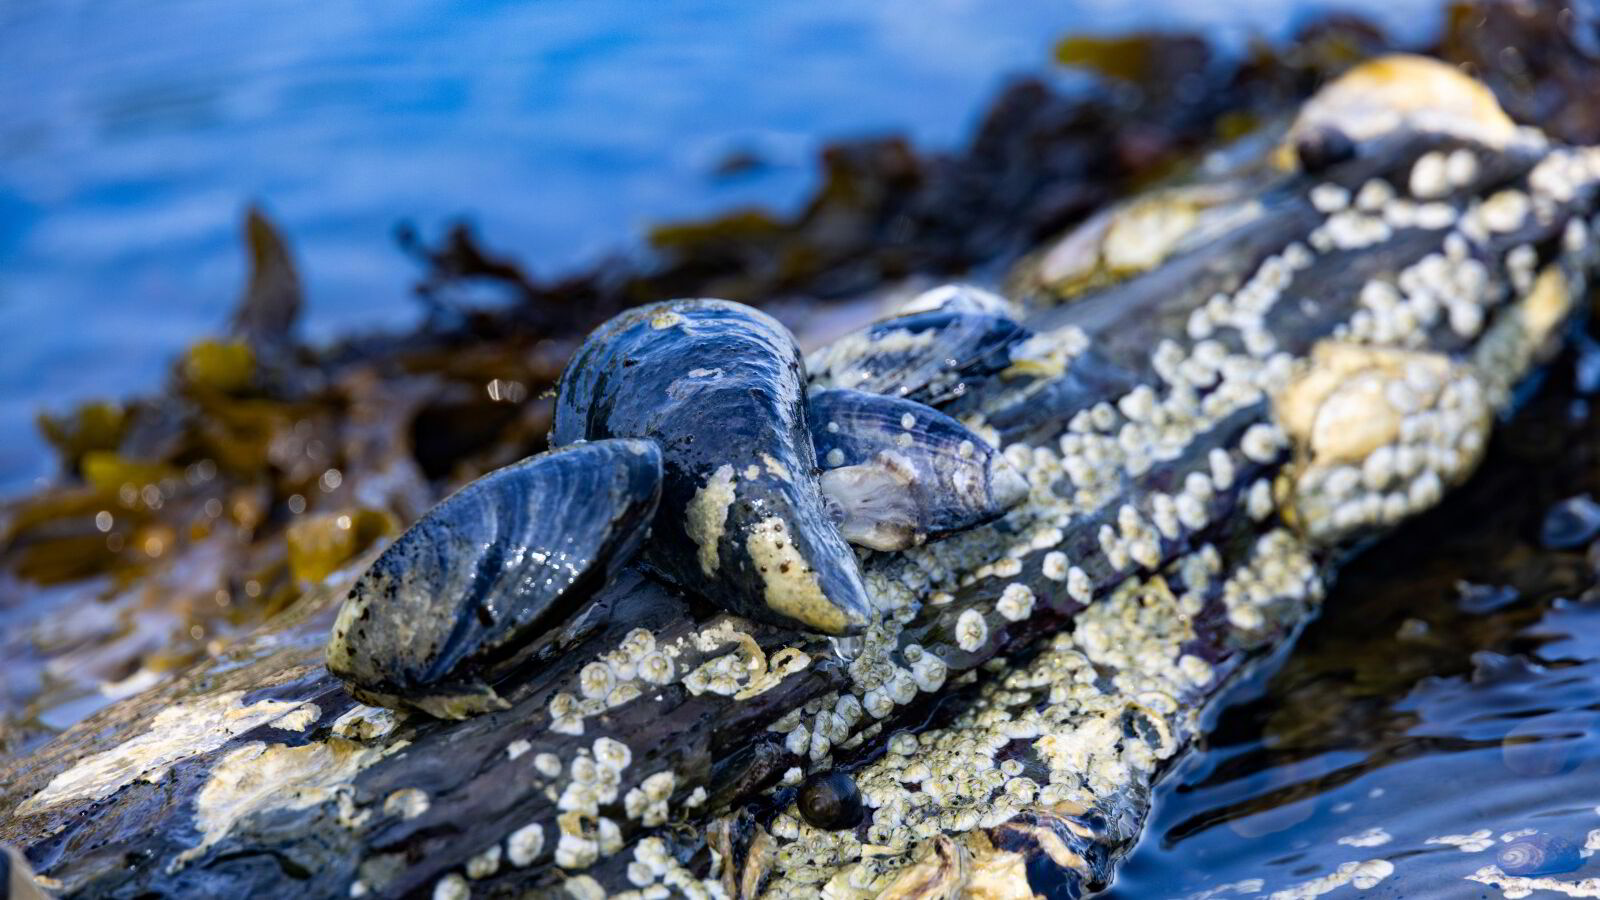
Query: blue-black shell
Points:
[931, 356]
[901, 473]
[488, 570]
[742, 523]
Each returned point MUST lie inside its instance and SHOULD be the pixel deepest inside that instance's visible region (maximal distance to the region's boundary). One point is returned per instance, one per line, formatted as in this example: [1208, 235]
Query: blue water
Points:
[132, 134]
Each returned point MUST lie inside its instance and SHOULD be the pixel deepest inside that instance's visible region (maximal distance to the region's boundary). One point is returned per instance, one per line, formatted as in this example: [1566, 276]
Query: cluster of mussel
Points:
[687, 439]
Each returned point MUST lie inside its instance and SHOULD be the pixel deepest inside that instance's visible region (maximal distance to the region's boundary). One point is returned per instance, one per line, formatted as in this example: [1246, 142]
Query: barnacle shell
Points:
[487, 570]
[1137, 235]
[941, 873]
[742, 522]
[900, 473]
[930, 355]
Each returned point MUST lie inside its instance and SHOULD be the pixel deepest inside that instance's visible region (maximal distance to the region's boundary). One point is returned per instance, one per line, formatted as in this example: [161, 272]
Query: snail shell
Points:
[900, 473]
[721, 387]
[830, 801]
[487, 570]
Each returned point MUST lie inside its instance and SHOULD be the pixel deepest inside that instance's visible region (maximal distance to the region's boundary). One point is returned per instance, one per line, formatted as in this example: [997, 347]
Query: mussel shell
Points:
[931, 356]
[720, 386]
[900, 473]
[489, 569]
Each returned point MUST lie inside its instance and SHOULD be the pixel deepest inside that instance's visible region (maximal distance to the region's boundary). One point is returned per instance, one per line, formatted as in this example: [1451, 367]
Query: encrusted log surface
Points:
[258, 775]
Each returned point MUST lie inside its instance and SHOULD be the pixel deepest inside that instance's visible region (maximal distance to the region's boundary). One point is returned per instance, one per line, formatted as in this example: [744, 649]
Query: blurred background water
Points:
[133, 134]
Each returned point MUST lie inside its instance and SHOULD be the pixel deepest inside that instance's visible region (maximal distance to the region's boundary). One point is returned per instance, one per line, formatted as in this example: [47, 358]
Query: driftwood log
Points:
[1320, 355]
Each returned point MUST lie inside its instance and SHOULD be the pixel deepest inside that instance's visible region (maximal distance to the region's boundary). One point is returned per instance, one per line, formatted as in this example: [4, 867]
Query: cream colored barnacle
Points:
[792, 588]
[708, 516]
[971, 631]
[941, 871]
[1136, 236]
[1400, 92]
[525, 844]
[1547, 306]
[1378, 433]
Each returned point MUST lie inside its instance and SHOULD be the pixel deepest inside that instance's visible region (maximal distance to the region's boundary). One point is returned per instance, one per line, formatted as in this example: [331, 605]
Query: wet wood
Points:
[319, 826]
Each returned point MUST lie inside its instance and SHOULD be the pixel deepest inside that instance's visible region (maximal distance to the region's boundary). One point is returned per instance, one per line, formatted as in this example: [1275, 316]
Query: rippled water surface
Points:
[131, 135]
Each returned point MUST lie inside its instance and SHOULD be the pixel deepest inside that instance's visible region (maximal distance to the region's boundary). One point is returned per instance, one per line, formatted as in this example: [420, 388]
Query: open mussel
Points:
[489, 569]
[899, 473]
[743, 524]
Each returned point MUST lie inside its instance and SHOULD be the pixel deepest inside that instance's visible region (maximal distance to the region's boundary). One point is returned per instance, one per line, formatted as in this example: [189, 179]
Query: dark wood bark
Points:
[341, 807]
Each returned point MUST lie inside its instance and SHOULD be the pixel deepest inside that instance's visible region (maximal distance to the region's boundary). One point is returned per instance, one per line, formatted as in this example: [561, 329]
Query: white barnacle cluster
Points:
[612, 679]
[1052, 735]
[1455, 287]
[745, 672]
[1379, 434]
[1279, 579]
[1144, 521]
[813, 730]
[656, 875]
[885, 673]
[1561, 175]
[1107, 445]
[1246, 309]
[1437, 174]
[1047, 355]
[648, 801]
[1379, 209]
[1353, 223]
[1542, 299]
[594, 780]
[1363, 875]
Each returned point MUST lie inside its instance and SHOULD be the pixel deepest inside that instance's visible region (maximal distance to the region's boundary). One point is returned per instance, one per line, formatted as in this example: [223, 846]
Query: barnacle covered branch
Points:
[1203, 434]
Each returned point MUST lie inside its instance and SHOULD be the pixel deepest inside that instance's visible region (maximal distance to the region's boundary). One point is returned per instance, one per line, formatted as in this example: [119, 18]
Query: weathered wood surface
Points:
[258, 775]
